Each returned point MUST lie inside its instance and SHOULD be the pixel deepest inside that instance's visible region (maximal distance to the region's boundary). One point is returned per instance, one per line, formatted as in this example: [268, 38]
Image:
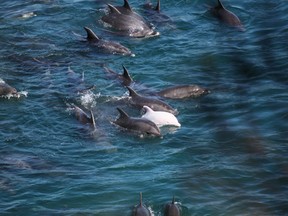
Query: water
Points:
[228, 158]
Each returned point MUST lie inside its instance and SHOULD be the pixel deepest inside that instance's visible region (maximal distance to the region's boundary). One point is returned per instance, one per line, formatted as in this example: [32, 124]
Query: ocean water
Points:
[229, 157]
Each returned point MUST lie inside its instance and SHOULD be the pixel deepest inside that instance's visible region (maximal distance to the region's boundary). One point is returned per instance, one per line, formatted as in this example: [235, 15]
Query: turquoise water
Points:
[228, 158]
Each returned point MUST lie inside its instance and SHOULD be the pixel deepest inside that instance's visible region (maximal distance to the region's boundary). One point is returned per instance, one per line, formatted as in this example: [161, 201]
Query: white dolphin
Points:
[160, 118]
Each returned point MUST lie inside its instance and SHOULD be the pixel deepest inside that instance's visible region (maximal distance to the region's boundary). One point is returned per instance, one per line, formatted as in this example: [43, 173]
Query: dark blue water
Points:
[229, 157]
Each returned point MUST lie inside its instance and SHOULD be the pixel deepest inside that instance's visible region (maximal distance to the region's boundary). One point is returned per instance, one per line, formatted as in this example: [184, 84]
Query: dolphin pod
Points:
[107, 46]
[171, 209]
[160, 118]
[137, 124]
[141, 209]
[227, 16]
[128, 23]
[155, 104]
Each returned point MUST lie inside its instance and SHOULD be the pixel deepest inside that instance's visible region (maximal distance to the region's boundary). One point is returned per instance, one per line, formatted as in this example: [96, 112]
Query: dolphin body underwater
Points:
[107, 46]
[227, 16]
[128, 23]
[137, 124]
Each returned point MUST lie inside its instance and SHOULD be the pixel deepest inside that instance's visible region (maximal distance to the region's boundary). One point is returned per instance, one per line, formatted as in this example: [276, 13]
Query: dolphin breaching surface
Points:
[143, 107]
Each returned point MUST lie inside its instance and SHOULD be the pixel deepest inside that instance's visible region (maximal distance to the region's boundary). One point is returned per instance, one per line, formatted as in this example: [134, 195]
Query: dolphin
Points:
[160, 118]
[124, 78]
[137, 124]
[127, 24]
[82, 116]
[154, 14]
[227, 16]
[183, 91]
[155, 104]
[141, 209]
[107, 46]
[171, 209]
[6, 90]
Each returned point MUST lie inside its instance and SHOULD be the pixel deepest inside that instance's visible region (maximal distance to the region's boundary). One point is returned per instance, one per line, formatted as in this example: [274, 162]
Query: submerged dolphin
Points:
[107, 46]
[155, 104]
[183, 91]
[227, 16]
[82, 116]
[172, 209]
[137, 124]
[124, 78]
[160, 118]
[127, 24]
[141, 209]
[154, 14]
[6, 89]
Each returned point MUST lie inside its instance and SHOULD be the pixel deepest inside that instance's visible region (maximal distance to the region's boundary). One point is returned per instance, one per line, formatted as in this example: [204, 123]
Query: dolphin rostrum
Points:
[171, 209]
[227, 16]
[137, 124]
[155, 104]
[141, 209]
[107, 46]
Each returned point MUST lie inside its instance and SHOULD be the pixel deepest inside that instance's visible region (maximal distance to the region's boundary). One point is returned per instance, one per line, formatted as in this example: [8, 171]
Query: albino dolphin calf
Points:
[141, 209]
[227, 16]
[183, 91]
[160, 118]
[140, 101]
[107, 46]
[127, 24]
[137, 124]
[171, 209]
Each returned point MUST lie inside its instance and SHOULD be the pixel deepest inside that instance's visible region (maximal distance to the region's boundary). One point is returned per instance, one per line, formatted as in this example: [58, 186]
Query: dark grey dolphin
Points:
[155, 104]
[137, 124]
[183, 91]
[171, 209]
[82, 116]
[127, 24]
[141, 209]
[154, 14]
[227, 16]
[6, 89]
[124, 78]
[107, 46]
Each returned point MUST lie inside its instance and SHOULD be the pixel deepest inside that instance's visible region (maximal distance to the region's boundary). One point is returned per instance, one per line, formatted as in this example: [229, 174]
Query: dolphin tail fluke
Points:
[157, 8]
[91, 35]
[126, 5]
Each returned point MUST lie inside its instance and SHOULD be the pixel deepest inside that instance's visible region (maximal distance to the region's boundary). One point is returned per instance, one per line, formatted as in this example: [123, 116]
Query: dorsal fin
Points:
[132, 93]
[91, 35]
[126, 74]
[157, 8]
[92, 119]
[127, 6]
[220, 5]
[141, 204]
[113, 9]
[122, 113]
[173, 200]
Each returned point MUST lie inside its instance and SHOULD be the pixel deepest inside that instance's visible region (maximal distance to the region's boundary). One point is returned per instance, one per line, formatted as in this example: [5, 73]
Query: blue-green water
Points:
[230, 156]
